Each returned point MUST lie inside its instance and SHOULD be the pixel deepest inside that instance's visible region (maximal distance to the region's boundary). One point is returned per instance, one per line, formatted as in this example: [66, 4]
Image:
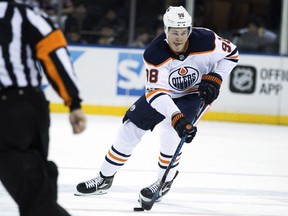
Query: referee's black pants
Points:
[24, 136]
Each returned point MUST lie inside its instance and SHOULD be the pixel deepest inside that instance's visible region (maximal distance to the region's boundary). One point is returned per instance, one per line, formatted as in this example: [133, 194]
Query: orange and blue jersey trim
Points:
[233, 56]
[152, 95]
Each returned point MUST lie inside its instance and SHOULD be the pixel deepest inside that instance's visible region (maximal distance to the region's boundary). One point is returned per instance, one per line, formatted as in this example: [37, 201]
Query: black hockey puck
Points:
[138, 209]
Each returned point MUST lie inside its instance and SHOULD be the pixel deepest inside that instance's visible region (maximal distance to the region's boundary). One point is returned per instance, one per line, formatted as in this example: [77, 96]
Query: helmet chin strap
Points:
[166, 32]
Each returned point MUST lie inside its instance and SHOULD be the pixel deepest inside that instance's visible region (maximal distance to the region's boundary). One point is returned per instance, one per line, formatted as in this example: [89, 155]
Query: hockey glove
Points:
[209, 87]
[183, 127]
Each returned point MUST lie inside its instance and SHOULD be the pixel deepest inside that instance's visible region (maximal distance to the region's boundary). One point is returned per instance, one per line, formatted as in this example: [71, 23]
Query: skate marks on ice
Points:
[183, 199]
[193, 193]
[228, 170]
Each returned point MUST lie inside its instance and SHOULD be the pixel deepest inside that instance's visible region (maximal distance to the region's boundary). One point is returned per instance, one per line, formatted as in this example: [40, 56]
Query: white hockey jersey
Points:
[171, 75]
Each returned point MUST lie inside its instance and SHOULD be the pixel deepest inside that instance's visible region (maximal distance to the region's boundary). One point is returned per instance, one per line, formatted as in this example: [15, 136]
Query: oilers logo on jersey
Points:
[183, 78]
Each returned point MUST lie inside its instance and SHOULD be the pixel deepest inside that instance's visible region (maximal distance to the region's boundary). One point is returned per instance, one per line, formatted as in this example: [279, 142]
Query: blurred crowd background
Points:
[253, 25]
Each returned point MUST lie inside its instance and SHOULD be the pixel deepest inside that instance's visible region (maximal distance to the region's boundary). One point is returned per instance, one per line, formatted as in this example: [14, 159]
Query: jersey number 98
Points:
[225, 44]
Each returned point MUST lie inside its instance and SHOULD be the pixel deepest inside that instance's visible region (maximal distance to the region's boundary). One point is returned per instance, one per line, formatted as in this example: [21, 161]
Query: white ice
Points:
[230, 169]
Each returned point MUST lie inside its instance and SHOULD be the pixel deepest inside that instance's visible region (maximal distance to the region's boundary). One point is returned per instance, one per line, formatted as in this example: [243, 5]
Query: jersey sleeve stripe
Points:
[43, 50]
[233, 52]
[233, 56]
[233, 60]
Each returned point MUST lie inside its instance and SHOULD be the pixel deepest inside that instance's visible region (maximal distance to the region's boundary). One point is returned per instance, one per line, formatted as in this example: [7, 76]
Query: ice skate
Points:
[96, 186]
[147, 194]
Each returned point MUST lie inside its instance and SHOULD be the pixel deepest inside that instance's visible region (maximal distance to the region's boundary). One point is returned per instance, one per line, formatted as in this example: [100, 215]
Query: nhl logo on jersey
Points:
[183, 78]
[181, 57]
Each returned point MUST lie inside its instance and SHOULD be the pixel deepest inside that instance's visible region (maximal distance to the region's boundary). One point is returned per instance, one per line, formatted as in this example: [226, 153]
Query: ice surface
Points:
[230, 169]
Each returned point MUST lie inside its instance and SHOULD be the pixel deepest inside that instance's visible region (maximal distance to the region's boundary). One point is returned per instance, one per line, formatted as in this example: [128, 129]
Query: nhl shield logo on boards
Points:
[243, 79]
[183, 78]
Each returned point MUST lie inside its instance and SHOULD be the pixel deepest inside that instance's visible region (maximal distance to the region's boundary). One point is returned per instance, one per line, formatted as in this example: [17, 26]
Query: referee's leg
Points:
[24, 170]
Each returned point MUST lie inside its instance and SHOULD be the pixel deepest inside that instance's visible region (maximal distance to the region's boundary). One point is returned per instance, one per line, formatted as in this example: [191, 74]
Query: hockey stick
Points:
[147, 205]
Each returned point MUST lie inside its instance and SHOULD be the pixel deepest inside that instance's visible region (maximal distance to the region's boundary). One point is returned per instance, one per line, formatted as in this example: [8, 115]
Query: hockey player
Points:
[184, 66]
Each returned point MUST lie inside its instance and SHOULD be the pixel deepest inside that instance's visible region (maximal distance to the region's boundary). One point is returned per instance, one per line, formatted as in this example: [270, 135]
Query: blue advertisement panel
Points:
[131, 74]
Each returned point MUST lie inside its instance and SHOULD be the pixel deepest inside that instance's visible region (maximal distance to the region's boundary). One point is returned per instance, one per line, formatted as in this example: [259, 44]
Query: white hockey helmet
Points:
[177, 17]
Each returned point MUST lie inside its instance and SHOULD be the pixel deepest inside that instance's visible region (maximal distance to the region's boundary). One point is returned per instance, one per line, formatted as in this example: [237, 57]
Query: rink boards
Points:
[113, 78]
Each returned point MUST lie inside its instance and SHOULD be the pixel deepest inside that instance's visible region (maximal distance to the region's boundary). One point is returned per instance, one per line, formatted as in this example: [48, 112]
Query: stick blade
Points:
[147, 204]
[138, 209]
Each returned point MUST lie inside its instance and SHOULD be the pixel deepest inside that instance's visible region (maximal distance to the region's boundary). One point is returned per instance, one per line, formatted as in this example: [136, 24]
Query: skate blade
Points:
[100, 192]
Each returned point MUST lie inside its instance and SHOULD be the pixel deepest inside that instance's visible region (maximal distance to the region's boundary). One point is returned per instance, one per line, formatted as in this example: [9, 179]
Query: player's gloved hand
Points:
[209, 87]
[183, 127]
